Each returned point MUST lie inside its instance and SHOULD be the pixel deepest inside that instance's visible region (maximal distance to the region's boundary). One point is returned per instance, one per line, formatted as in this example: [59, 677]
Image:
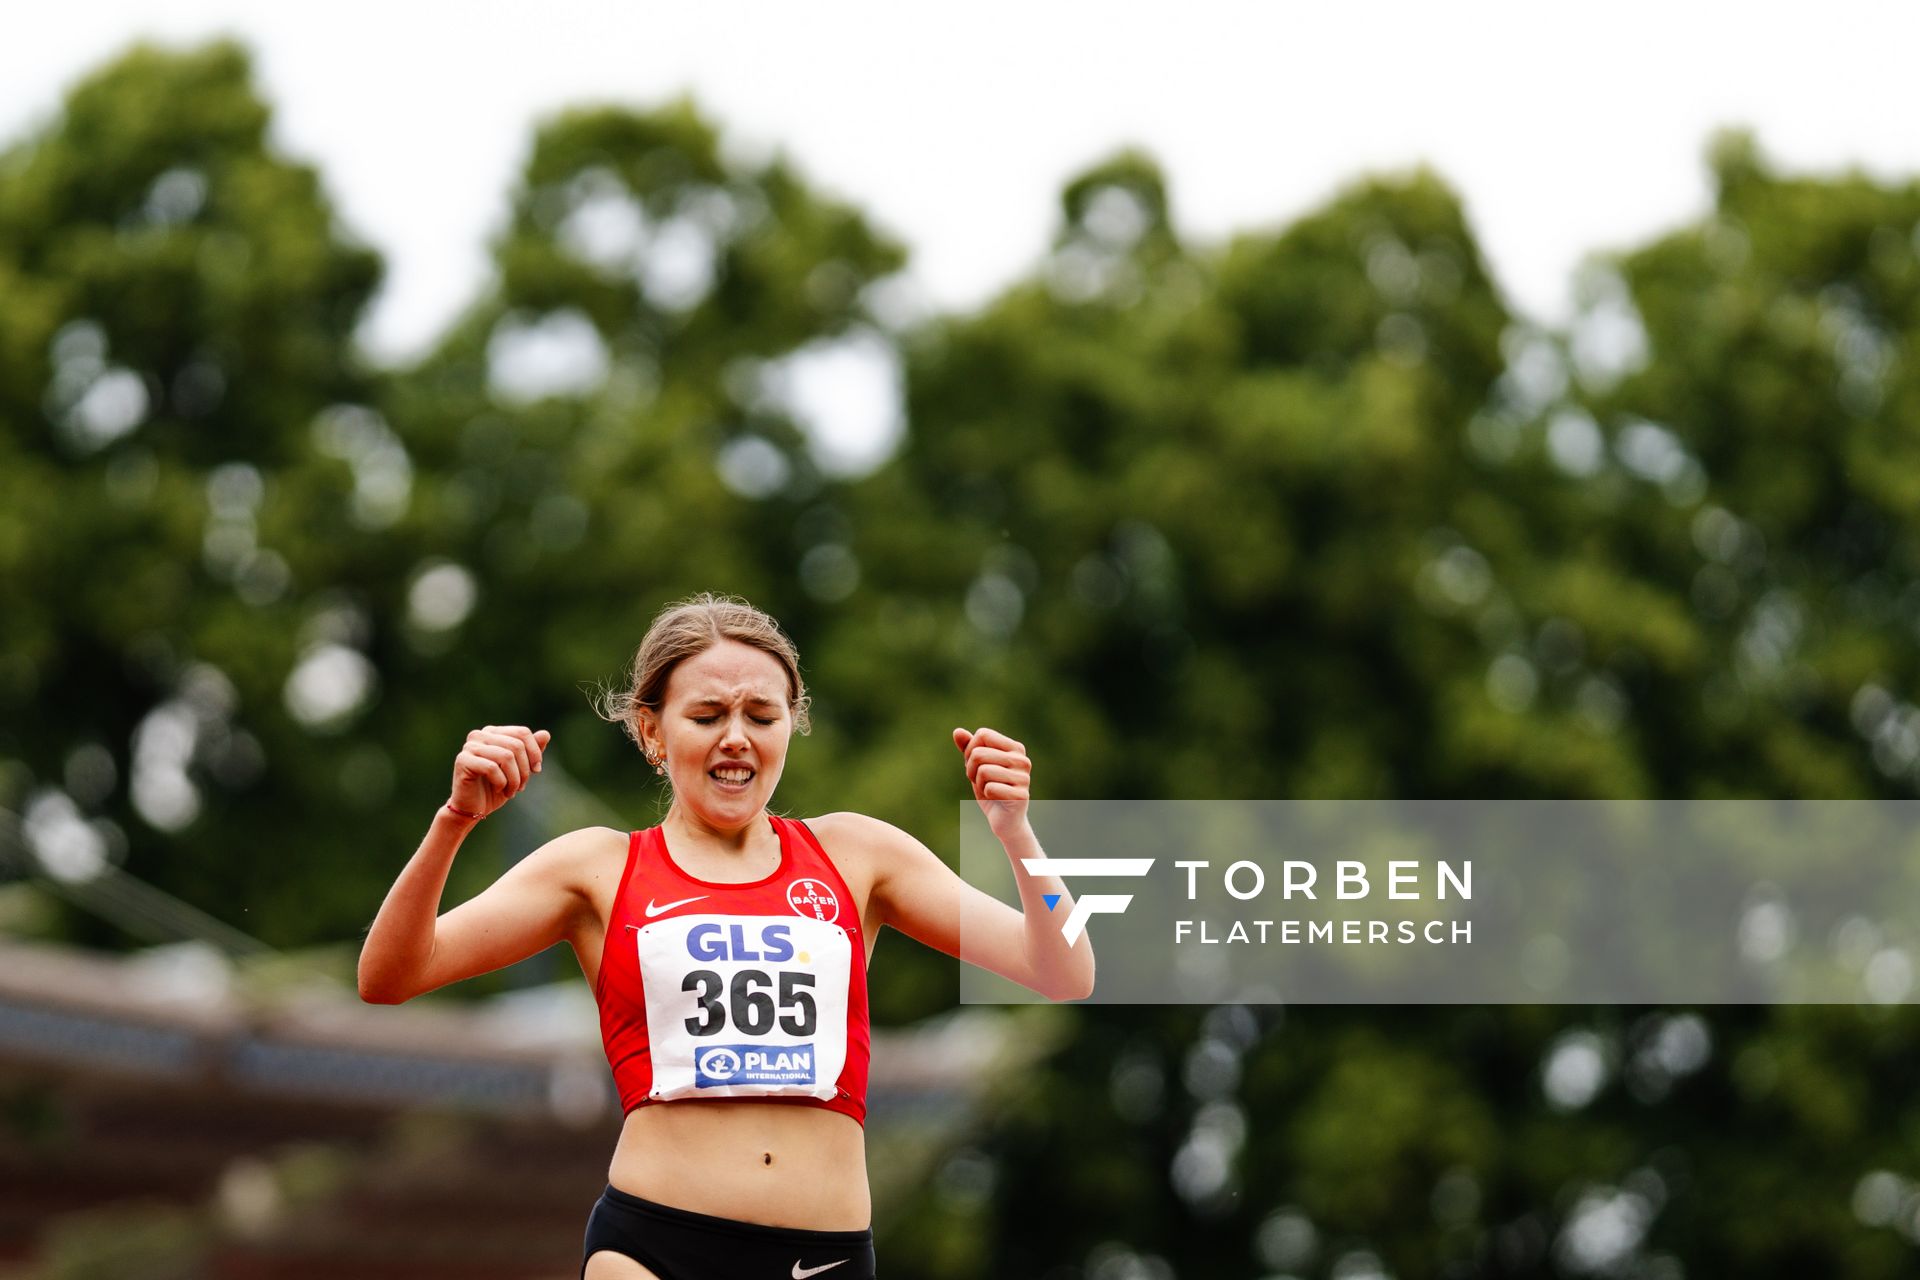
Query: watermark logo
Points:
[1092, 904]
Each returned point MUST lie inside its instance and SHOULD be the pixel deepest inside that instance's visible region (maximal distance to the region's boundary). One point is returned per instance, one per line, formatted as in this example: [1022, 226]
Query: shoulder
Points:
[859, 835]
[907, 885]
[584, 843]
[580, 858]
[880, 851]
[876, 858]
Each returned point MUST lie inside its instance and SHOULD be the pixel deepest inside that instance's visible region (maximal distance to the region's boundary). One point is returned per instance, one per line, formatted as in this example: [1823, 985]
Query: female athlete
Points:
[728, 950]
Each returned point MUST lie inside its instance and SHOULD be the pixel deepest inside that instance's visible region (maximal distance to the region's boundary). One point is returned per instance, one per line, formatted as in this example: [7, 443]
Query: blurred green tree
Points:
[180, 304]
[1306, 514]
[1403, 544]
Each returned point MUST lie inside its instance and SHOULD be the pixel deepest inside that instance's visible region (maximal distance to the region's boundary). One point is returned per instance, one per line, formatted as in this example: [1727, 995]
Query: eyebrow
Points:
[757, 700]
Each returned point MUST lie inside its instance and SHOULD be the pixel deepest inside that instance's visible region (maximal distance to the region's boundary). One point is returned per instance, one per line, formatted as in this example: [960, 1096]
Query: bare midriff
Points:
[772, 1163]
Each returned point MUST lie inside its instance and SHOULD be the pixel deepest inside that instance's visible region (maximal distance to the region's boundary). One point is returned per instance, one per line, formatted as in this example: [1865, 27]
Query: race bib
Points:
[745, 1006]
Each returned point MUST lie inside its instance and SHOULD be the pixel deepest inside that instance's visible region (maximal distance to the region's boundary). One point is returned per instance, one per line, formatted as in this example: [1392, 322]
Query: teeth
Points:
[732, 775]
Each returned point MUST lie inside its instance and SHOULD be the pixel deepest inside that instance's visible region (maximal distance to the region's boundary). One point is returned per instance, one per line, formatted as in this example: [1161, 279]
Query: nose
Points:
[736, 735]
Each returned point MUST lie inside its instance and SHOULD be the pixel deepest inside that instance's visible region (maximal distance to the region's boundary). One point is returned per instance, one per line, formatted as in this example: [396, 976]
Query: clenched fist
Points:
[495, 766]
[1001, 775]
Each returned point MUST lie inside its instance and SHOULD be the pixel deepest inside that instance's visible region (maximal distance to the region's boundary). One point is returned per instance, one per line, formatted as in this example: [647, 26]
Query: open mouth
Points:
[731, 777]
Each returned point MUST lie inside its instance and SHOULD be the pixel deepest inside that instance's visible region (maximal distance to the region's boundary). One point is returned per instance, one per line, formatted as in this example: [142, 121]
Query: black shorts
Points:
[676, 1244]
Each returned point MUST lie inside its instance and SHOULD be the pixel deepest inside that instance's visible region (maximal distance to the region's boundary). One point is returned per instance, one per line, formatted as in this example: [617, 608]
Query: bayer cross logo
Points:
[814, 899]
[1092, 904]
[719, 1062]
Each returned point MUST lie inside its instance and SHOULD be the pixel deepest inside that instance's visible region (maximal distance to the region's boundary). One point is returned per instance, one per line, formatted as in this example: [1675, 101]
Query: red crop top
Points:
[755, 990]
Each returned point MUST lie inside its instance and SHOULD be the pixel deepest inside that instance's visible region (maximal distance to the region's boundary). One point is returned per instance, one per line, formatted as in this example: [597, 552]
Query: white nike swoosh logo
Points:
[801, 1273]
[654, 909]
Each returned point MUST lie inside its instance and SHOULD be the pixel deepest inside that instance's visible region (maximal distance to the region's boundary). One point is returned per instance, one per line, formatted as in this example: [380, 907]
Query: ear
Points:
[649, 730]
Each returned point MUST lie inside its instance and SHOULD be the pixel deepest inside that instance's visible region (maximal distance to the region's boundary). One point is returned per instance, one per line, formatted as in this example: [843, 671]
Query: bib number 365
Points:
[748, 1002]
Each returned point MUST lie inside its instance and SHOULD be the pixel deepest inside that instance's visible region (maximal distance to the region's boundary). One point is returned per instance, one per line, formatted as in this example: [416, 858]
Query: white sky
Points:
[1565, 128]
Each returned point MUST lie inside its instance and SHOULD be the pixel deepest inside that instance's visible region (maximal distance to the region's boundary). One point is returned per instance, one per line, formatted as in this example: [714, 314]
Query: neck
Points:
[685, 823]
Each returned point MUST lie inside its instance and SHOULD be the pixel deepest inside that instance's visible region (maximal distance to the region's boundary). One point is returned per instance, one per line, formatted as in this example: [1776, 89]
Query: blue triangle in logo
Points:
[1052, 900]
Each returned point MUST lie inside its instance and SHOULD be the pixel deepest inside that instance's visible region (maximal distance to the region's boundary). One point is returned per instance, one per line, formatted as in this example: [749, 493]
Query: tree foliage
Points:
[1309, 513]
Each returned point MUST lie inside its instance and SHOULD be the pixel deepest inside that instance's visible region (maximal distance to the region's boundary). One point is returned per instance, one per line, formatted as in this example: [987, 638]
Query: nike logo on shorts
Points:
[654, 909]
[801, 1273]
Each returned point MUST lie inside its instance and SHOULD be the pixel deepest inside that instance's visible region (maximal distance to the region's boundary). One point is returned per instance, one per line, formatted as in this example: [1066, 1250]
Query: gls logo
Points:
[1093, 904]
[710, 942]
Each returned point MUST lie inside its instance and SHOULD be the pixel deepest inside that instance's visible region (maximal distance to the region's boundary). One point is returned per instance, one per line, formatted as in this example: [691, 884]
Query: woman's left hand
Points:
[1001, 775]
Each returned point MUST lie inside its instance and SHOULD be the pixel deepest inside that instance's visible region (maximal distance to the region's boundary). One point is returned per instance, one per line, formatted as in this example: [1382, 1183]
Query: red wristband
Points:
[462, 813]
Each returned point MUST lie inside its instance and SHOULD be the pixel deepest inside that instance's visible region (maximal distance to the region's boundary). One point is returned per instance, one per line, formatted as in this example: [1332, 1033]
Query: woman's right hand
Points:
[495, 766]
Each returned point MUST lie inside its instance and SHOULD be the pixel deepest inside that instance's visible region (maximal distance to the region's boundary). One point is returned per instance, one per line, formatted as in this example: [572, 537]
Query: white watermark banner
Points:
[1466, 901]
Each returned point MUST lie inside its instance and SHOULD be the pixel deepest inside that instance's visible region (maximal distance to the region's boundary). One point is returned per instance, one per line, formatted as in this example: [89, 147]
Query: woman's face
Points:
[722, 731]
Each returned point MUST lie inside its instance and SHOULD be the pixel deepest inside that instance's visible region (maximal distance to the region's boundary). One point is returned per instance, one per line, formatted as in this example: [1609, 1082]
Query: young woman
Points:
[728, 950]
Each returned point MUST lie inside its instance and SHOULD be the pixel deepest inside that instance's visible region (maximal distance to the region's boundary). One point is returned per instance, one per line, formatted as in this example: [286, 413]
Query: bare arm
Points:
[539, 901]
[400, 944]
[411, 949]
[923, 898]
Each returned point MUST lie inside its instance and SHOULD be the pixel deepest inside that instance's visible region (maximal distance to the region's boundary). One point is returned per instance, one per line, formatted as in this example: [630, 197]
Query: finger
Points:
[1004, 791]
[961, 738]
[530, 742]
[519, 740]
[498, 762]
[986, 737]
[503, 757]
[512, 742]
[480, 767]
[541, 738]
[483, 766]
[1001, 759]
[1000, 773]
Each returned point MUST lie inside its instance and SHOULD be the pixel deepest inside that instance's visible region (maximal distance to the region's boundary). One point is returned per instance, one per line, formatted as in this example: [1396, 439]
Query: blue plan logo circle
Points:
[719, 1062]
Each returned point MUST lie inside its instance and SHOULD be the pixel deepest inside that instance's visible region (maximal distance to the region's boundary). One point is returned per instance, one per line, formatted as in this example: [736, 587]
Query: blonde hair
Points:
[685, 629]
